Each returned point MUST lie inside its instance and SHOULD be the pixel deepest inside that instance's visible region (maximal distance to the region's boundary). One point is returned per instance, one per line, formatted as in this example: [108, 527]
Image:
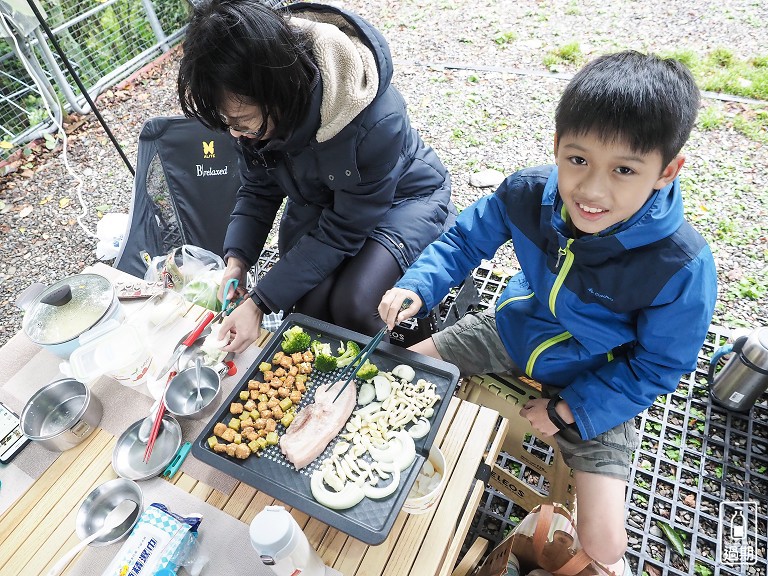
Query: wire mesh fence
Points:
[103, 41]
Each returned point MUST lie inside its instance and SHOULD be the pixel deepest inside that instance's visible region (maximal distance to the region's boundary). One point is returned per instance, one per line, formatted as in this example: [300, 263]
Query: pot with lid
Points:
[744, 378]
[56, 316]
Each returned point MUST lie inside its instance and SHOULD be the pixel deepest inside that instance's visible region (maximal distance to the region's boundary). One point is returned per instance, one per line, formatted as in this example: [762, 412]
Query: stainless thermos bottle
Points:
[744, 378]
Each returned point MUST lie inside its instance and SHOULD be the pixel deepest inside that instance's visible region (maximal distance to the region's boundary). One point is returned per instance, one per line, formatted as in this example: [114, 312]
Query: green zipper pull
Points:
[560, 253]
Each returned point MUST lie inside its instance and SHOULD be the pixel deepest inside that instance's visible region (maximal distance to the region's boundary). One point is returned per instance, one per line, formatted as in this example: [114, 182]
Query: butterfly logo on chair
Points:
[208, 151]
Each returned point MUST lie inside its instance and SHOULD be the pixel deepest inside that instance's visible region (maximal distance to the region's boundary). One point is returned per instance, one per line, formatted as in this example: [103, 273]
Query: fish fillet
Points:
[318, 423]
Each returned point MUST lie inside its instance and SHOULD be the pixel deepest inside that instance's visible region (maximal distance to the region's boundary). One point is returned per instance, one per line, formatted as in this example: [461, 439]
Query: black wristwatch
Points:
[557, 420]
[260, 303]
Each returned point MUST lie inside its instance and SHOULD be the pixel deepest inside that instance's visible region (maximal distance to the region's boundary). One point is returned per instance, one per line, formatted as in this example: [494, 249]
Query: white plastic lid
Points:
[271, 532]
[113, 351]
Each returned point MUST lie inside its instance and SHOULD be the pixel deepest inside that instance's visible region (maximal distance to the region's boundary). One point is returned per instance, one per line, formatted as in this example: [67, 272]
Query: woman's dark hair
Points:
[244, 49]
[646, 101]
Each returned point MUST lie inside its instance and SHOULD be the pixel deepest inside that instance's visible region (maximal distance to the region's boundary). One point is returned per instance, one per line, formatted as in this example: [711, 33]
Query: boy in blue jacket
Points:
[616, 291]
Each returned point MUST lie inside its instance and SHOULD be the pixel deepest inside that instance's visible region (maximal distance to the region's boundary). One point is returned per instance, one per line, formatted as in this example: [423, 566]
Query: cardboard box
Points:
[507, 393]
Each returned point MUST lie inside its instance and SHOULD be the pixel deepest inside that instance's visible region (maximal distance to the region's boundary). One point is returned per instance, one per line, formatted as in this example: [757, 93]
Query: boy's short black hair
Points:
[244, 49]
[641, 99]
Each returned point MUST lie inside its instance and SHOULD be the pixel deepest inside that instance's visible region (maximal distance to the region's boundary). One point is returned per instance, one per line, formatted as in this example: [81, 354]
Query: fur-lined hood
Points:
[353, 60]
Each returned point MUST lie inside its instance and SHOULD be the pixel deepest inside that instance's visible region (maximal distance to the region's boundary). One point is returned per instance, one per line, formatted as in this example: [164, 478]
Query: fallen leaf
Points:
[690, 500]
[27, 174]
[652, 570]
[46, 200]
[64, 202]
[26, 211]
[5, 145]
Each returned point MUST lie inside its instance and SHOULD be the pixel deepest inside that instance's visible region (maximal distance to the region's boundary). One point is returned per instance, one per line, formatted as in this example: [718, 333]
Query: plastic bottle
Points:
[282, 545]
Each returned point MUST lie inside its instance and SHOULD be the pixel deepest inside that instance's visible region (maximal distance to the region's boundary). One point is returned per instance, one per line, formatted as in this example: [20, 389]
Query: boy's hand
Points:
[392, 302]
[535, 411]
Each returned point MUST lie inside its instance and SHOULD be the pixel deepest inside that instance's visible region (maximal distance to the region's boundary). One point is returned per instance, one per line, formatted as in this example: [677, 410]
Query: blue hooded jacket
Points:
[613, 319]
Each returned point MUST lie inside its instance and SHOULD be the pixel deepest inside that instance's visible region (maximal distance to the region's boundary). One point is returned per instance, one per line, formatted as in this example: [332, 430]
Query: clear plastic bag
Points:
[192, 271]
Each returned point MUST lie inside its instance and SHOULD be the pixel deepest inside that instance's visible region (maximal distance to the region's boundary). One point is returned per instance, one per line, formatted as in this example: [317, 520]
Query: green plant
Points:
[710, 118]
[505, 37]
[702, 570]
[568, 53]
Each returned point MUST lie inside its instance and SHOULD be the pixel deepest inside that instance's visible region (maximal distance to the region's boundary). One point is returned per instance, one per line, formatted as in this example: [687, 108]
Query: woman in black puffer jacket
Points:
[307, 92]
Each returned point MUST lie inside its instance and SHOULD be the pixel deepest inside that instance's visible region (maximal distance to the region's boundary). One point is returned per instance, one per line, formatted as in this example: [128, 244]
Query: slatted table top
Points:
[40, 526]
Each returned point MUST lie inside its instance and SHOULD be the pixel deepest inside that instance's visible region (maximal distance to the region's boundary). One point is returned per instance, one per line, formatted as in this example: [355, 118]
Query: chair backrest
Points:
[183, 192]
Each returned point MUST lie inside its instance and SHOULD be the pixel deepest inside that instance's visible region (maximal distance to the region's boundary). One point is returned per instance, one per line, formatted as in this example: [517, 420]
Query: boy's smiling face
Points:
[603, 183]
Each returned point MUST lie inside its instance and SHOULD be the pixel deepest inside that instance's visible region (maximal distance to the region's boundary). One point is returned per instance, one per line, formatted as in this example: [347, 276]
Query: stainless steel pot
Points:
[61, 415]
[56, 316]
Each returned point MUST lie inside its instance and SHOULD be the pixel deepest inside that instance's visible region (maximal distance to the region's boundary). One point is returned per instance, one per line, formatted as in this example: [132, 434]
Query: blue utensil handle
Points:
[233, 283]
[736, 347]
[178, 460]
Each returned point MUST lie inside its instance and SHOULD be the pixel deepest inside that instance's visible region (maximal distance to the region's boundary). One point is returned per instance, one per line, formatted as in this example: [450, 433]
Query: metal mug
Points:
[61, 415]
[744, 378]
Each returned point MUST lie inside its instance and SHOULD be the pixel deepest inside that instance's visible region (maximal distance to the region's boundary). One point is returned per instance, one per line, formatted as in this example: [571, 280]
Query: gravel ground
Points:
[479, 97]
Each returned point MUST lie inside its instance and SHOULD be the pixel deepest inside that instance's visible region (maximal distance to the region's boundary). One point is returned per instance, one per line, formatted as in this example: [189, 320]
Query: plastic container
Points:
[281, 544]
[422, 504]
[119, 351]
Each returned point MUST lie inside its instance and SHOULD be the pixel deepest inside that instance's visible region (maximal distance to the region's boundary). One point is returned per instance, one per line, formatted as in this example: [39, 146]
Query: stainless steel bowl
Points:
[100, 502]
[181, 393]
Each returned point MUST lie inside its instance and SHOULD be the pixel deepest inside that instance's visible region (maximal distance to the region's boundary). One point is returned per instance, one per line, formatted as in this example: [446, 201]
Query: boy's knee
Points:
[603, 545]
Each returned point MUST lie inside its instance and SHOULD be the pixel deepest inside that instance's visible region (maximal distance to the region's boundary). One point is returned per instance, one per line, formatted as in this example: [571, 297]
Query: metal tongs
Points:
[350, 370]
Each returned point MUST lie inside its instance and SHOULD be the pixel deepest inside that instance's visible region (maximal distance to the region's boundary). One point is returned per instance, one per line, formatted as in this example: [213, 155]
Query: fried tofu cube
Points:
[268, 375]
[228, 435]
[253, 384]
[263, 388]
[235, 408]
[220, 448]
[266, 414]
[242, 451]
[295, 396]
[271, 425]
[250, 405]
[231, 449]
[305, 368]
[260, 424]
[280, 372]
[277, 357]
[285, 362]
[219, 429]
[277, 412]
[307, 357]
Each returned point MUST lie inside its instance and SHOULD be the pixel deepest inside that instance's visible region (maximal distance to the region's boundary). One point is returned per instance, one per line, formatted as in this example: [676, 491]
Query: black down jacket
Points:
[373, 178]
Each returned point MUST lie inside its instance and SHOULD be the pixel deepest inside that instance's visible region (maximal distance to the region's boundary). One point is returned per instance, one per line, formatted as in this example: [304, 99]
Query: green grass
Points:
[566, 54]
[505, 37]
[721, 71]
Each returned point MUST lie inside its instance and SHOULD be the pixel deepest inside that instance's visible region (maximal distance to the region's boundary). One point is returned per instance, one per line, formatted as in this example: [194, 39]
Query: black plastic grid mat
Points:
[693, 456]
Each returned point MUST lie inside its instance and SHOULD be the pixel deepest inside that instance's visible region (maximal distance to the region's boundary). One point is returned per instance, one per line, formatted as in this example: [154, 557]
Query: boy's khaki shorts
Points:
[474, 346]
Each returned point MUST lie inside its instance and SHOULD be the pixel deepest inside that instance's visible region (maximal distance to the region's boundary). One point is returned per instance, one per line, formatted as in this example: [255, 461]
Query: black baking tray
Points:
[370, 520]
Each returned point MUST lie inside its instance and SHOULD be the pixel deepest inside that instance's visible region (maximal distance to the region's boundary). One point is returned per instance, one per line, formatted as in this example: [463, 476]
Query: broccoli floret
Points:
[325, 363]
[295, 340]
[347, 353]
[367, 370]
[319, 348]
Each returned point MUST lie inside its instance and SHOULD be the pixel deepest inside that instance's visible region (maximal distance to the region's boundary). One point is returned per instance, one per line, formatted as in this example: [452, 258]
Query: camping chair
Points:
[183, 192]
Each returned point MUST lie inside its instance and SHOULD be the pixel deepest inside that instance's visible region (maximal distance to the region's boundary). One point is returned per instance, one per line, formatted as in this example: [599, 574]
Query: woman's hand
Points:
[242, 327]
[235, 269]
[392, 302]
